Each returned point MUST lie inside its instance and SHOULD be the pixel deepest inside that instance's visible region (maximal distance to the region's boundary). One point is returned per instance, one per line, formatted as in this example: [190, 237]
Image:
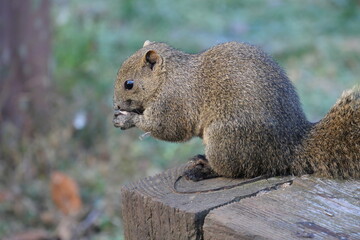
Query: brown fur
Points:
[332, 147]
[242, 104]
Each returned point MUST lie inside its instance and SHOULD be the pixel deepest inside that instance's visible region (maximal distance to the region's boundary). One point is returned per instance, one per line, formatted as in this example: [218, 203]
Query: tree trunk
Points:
[25, 49]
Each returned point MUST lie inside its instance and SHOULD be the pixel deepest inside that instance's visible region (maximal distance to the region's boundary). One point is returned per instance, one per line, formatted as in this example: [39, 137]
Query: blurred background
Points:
[58, 63]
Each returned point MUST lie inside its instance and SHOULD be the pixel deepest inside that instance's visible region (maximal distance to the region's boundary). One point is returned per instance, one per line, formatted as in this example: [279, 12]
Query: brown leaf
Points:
[65, 194]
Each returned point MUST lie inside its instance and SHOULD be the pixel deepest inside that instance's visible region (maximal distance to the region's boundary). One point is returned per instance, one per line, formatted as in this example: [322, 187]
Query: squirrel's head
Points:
[139, 79]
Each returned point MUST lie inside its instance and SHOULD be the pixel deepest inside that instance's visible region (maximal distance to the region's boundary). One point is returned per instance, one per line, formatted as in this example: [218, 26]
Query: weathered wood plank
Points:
[309, 208]
[161, 207]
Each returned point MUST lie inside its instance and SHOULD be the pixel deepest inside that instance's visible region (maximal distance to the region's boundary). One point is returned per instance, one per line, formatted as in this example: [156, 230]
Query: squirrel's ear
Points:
[147, 42]
[152, 58]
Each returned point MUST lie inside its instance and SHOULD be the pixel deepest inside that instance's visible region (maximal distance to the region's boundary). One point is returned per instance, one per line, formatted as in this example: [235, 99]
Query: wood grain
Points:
[167, 206]
[309, 208]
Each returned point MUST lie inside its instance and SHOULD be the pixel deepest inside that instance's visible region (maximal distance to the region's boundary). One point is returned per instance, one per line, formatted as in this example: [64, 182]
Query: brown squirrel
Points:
[241, 103]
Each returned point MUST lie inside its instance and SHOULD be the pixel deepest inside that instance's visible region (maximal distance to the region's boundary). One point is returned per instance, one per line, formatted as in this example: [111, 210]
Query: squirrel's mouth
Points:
[119, 112]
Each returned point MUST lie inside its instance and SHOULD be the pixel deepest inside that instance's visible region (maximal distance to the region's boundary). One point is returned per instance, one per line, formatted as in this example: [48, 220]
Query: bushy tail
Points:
[332, 146]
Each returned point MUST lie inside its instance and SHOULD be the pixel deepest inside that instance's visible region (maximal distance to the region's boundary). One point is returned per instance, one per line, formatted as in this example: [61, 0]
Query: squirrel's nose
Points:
[116, 106]
[117, 111]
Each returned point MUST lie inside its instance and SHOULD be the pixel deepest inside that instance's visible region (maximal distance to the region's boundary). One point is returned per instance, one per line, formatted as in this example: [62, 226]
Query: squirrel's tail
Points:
[332, 146]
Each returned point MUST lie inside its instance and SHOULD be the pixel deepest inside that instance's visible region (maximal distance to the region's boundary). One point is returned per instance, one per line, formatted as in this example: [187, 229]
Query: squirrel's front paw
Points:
[198, 169]
[124, 120]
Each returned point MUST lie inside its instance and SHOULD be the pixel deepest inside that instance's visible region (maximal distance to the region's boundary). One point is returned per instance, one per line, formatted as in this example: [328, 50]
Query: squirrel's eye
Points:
[129, 84]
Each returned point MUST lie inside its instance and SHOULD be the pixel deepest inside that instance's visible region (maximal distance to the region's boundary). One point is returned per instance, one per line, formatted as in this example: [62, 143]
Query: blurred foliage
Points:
[316, 42]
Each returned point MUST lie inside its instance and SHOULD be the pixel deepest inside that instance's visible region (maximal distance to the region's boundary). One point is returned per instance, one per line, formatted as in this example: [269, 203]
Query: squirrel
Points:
[241, 103]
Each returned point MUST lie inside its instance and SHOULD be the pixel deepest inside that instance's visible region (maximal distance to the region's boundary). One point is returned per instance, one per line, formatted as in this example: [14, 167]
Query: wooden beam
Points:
[167, 206]
[309, 208]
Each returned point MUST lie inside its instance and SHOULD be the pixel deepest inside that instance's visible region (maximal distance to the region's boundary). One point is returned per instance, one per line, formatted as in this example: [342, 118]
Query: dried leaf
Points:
[65, 194]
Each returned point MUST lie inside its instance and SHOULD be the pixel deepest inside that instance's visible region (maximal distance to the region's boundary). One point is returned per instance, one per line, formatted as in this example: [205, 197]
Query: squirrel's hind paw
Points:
[199, 169]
